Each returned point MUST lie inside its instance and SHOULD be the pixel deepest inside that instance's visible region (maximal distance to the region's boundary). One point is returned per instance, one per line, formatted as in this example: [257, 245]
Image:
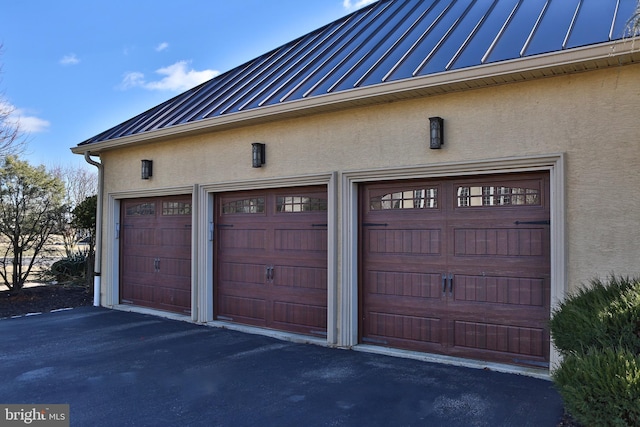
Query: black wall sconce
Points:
[147, 169]
[436, 132]
[259, 151]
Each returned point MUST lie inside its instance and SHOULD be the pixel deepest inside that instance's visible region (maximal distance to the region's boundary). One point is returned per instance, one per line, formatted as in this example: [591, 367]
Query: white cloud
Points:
[28, 123]
[177, 77]
[349, 5]
[70, 59]
[132, 79]
[162, 46]
[32, 124]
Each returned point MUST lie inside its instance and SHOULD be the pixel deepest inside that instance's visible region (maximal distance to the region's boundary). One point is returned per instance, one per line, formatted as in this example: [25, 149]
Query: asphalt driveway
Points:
[126, 369]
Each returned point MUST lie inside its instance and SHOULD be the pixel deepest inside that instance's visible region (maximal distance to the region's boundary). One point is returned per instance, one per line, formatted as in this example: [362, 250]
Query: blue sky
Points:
[74, 68]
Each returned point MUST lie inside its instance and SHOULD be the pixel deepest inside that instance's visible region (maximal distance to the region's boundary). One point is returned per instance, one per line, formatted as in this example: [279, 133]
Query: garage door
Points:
[271, 259]
[155, 253]
[458, 267]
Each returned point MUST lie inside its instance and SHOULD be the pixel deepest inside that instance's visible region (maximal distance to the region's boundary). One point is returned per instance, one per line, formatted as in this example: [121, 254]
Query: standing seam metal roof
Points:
[388, 41]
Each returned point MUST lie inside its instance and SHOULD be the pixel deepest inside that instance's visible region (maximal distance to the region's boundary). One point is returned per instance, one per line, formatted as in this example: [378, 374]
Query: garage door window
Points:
[141, 209]
[482, 196]
[426, 198]
[176, 208]
[244, 206]
[300, 204]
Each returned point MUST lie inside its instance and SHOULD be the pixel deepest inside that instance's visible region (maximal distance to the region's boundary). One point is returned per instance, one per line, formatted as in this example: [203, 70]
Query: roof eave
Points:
[574, 60]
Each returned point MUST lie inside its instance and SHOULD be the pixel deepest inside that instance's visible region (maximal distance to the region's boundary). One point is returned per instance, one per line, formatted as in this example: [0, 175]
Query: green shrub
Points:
[601, 387]
[69, 268]
[603, 315]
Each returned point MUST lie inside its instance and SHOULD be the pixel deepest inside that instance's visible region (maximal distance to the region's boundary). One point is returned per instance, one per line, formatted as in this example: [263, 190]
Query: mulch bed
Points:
[43, 299]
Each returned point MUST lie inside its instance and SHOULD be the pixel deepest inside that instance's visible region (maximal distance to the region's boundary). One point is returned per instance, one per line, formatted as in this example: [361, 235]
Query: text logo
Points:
[34, 415]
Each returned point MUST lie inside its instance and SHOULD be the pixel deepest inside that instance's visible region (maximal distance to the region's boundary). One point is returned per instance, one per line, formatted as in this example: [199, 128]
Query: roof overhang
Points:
[605, 55]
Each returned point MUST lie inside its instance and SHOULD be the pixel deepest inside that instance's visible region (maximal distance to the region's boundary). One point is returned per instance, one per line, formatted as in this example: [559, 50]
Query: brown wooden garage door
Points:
[271, 259]
[155, 253]
[458, 267]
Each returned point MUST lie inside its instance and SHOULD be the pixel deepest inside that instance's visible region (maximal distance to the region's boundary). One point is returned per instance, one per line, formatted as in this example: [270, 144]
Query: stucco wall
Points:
[592, 117]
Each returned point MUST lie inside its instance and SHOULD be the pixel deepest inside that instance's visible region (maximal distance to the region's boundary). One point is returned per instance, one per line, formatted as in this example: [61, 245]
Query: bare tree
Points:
[79, 184]
[12, 139]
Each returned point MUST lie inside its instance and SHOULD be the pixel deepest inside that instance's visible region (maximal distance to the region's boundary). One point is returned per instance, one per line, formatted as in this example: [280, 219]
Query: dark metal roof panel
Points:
[556, 21]
[624, 12]
[388, 41]
[486, 35]
[587, 28]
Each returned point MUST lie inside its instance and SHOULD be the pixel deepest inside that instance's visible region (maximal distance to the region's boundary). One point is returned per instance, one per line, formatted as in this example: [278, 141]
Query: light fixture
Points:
[259, 151]
[436, 133]
[147, 169]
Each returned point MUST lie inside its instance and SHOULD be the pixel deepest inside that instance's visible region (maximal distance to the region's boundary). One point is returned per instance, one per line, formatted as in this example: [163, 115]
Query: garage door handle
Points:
[451, 283]
[444, 283]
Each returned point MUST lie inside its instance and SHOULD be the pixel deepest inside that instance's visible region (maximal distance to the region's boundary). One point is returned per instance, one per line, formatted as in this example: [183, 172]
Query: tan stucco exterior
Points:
[591, 117]
[587, 122]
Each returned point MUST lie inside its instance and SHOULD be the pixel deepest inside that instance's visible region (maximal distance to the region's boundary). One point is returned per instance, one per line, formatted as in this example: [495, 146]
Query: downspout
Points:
[97, 267]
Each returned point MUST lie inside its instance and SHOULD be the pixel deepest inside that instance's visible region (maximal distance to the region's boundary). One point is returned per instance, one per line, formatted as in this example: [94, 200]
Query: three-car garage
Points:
[454, 266]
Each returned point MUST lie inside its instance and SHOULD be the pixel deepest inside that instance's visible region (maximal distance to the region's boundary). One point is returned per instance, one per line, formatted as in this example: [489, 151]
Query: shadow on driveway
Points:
[126, 369]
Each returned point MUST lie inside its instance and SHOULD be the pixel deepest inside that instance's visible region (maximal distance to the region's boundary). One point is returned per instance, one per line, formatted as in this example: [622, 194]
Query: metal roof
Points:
[388, 41]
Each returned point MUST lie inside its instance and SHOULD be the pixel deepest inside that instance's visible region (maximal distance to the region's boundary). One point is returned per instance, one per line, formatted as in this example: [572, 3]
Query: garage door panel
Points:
[243, 308]
[176, 238]
[240, 272]
[172, 299]
[164, 298]
[136, 265]
[400, 305]
[295, 276]
[300, 316]
[271, 256]
[500, 290]
[137, 293]
[488, 237]
[244, 239]
[300, 240]
[512, 242]
[405, 242]
[520, 341]
[404, 284]
[138, 236]
[155, 253]
[397, 329]
[177, 271]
